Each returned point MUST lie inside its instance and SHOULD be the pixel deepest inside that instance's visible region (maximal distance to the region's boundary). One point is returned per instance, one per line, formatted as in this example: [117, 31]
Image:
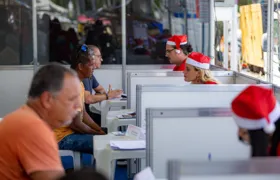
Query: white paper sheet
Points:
[128, 145]
[145, 174]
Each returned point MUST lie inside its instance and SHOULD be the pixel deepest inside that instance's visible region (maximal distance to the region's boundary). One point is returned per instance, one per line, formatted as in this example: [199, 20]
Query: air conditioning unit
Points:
[224, 3]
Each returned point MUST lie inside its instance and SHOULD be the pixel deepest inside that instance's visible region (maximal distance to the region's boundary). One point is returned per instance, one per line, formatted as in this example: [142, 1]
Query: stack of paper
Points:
[128, 145]
[127, 115]
[145, 174]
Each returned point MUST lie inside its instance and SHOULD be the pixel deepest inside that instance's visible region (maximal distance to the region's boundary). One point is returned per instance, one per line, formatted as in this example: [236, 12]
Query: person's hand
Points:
[114, 93]
[109, 89]
[243, 133]
[101, 132]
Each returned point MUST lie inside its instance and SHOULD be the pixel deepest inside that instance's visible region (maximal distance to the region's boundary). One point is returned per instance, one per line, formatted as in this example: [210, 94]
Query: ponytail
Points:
[259, 143]
[275, 139]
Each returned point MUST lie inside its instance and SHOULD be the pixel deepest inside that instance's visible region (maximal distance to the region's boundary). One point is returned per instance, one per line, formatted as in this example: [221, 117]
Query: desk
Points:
[104, 107]
[106, 157]
[113, 122]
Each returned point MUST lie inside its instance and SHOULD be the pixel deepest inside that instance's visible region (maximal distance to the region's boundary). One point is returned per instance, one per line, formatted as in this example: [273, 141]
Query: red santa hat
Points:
[198, 60]
[256, 108]
[177, 40]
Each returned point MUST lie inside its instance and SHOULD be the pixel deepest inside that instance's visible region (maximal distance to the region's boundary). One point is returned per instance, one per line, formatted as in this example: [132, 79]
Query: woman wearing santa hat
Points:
[256, 110]
[197, 69]
[177, 50]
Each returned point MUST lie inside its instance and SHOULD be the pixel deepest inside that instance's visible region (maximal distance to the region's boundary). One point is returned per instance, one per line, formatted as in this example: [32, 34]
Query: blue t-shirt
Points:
[90, 83]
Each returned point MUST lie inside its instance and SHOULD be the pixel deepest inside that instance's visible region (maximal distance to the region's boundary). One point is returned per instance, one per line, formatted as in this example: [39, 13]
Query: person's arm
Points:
[100, 89]
[96, 86]
[79, 126]
[91, 99]
[46, 175]
[88, 121]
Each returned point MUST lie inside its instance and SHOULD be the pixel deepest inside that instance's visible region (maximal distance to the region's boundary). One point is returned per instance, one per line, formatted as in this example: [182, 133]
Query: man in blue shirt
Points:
[91, 84]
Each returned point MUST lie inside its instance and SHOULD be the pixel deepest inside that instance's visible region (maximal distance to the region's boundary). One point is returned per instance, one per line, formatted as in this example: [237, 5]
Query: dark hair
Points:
[275, 139]
[84, 174]
[80, 55]
[48, 78]
[260, 141]
[187, 48]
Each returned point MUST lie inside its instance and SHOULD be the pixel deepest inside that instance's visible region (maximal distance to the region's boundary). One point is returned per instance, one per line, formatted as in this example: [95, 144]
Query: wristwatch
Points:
[107, 97]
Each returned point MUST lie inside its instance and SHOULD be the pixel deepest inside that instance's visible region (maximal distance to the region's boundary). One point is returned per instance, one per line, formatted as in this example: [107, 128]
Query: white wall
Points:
[14, 88]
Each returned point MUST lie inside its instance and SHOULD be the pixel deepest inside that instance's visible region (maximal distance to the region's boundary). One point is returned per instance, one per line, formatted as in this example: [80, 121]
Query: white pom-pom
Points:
[270, 128]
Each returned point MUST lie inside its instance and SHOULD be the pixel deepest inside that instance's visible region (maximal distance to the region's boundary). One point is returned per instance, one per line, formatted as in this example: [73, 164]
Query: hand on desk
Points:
[99, 132]
[114, 93]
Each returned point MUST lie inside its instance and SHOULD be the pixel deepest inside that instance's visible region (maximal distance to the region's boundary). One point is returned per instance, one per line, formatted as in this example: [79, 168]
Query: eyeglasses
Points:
[99, 57]
[167, 51]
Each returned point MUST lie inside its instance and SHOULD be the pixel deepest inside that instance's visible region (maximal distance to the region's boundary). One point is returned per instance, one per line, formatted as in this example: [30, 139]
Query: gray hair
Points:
[49, 78]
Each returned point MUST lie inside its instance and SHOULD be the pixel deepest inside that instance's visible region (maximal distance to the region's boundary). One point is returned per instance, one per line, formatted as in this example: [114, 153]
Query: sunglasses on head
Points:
[84, 48]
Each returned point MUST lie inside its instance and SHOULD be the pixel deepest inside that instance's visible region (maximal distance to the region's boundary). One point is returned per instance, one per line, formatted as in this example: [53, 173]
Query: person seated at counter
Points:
[197, 69]
[177, 50]
[78, 136]
[256, 110]
[91, 84]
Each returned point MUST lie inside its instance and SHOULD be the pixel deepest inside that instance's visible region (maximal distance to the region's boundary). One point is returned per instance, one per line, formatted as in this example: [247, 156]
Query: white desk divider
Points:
[252, 169]
[193, 134]
[185, 96]
[177, 78]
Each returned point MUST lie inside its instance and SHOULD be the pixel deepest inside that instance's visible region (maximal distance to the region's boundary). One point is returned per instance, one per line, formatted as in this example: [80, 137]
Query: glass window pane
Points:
[276, 46]
[16, 45]
[252, 38]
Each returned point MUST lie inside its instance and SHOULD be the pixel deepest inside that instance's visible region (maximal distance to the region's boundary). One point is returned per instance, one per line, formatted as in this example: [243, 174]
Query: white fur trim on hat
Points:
[270, 128]
[172, 43]
[259, 123]
[198, 64]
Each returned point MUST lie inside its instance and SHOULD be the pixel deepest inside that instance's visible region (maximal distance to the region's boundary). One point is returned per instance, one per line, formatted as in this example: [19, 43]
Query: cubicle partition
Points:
[195, 96]
[15, 81]
[112, 74]
[176, 78]
[192, 134]
[252, 169]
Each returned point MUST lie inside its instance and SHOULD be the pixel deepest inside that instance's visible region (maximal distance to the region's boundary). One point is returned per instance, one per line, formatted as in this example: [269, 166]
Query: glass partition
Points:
[16, 32]
[276, 44]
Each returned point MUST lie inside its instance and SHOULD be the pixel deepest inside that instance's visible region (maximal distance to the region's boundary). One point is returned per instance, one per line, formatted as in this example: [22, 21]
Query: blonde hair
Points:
[205, 75]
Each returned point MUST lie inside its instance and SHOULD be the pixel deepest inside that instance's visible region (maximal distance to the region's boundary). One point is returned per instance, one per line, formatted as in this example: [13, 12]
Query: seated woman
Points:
[256, 110]
[197, 69]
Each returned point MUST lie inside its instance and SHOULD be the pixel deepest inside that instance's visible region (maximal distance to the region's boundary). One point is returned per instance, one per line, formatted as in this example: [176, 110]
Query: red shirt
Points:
[277, 151]
[182, 67]
[210, 82]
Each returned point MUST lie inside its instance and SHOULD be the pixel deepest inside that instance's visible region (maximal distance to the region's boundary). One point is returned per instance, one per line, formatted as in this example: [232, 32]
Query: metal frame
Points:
[123, 66]
[152, 113]
[255, 166]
